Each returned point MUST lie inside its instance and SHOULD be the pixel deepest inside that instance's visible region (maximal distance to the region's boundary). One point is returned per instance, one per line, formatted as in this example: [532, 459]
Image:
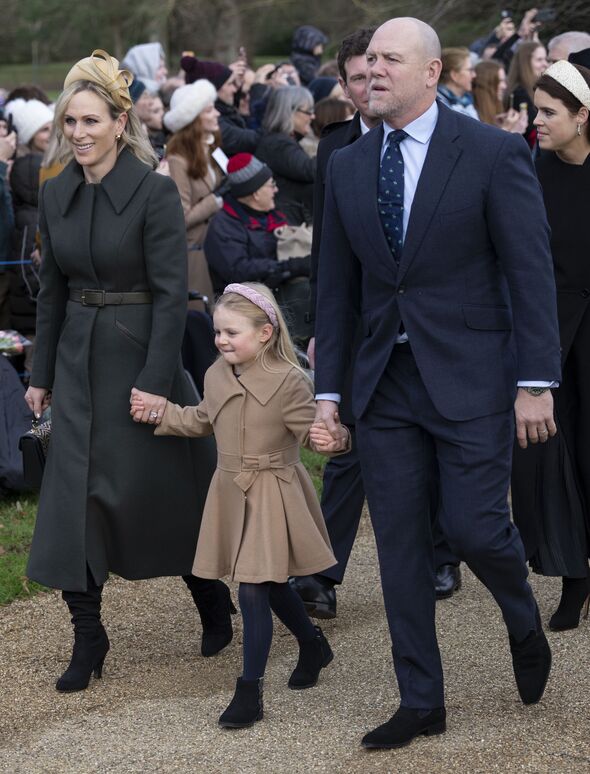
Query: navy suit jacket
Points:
[474, 286]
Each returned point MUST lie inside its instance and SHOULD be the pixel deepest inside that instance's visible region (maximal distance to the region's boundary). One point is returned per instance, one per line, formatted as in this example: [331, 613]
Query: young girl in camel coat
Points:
[262, 520]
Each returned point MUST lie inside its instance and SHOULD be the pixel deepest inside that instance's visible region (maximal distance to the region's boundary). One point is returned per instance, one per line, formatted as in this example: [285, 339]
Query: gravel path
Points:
[156, 708]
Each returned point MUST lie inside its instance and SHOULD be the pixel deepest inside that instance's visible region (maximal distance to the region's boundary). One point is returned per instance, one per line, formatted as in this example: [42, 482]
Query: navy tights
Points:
[257, 600]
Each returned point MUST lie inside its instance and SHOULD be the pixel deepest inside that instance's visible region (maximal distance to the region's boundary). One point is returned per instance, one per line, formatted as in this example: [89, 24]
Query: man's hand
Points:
[327, 412]
[534, 417]
[323, 443]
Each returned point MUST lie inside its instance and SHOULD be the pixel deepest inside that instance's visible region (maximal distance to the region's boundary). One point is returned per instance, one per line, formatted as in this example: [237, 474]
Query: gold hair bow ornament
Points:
[103, 69]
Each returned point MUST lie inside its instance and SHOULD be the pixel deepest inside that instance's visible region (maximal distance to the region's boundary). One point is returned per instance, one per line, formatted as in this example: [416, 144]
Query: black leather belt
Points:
[89, 297]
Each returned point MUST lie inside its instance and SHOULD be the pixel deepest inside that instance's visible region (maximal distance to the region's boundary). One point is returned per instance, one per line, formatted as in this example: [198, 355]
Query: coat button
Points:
[585, 293]
[401, 290]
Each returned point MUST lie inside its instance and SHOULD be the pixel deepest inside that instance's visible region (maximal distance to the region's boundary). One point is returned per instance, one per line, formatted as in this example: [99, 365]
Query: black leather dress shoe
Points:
[404, 726]
[318, 595]
[447, 580]
[531, 660]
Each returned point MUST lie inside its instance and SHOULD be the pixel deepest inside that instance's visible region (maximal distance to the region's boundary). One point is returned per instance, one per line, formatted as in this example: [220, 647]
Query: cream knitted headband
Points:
[571, 79]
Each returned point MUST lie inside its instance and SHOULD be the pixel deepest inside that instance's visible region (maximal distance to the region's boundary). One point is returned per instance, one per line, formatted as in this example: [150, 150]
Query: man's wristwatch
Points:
[536, 390]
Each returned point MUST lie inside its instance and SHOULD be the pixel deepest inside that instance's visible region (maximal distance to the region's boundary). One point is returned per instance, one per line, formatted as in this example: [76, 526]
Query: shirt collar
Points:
[364, 127]
[420, 129]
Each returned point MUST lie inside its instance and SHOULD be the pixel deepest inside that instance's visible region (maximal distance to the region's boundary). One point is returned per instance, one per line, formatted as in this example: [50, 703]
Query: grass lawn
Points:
[17, 518]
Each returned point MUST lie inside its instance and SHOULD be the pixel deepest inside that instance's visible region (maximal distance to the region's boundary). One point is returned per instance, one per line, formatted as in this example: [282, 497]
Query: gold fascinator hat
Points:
[103, 69]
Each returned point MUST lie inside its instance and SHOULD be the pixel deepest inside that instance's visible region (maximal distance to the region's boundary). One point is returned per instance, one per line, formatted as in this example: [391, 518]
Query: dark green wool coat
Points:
[113, 496]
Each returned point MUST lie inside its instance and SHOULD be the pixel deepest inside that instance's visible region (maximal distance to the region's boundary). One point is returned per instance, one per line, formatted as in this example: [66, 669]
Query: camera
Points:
[545, 15]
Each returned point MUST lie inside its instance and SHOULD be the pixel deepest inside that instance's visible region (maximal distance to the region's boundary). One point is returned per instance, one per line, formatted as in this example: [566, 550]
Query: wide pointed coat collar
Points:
[119, 184]
[223, 384]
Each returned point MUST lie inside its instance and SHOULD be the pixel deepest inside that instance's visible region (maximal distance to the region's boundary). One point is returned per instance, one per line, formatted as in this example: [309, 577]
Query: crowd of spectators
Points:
[209, 113]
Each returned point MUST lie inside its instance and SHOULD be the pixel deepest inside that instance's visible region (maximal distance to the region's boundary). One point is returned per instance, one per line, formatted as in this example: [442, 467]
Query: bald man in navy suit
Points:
[454, 285]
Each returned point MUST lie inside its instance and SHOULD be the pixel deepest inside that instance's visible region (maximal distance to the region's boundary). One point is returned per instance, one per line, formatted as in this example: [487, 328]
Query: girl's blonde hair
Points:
[132, 137]
[279, 346]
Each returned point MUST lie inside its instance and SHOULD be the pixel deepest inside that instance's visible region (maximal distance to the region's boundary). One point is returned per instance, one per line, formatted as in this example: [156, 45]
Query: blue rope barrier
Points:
[17, 263]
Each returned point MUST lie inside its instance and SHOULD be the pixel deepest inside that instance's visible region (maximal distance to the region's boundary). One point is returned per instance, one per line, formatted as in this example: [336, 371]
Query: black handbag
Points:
[34, 445]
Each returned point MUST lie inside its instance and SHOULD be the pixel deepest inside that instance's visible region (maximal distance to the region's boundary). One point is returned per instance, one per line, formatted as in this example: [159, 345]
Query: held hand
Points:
[326, 412]
[146, 408]
[37, 399]
[534, 417]
[311, 352]
[323, 443]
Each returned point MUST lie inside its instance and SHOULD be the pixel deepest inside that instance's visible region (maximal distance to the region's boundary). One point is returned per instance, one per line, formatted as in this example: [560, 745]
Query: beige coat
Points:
[199, 205]
[262, 519]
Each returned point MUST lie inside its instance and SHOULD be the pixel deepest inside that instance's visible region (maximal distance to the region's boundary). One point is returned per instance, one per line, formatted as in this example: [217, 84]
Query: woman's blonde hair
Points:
[279, 346]
[453, 60]
[132, 137]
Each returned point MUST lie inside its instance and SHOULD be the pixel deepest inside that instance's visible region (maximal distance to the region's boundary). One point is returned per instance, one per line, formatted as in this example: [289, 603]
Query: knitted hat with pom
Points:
[246, 174]
[195, 68]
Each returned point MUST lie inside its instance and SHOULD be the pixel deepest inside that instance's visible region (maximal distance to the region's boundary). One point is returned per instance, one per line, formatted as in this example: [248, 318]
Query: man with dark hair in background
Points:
[343, 492]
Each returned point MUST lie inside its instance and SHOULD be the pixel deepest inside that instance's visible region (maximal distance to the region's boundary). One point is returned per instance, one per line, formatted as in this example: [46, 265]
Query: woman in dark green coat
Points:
[111, 316]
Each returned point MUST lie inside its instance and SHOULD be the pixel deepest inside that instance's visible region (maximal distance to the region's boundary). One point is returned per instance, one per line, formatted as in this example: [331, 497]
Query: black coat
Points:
[238, 253]
[24, 284]
[294, 172]
[335, 136]
[235, 135]
[114, 496]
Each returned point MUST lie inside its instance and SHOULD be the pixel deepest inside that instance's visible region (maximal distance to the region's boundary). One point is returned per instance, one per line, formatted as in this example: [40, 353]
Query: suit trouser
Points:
[343, 497]
[397, 437]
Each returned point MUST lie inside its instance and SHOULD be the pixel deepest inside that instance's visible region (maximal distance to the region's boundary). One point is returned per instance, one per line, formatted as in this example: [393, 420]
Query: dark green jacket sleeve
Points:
[51, 306]
[164, 244]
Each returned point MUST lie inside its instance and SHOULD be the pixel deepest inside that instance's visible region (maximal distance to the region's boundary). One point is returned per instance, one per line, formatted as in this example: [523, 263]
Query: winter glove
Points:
[298, 267]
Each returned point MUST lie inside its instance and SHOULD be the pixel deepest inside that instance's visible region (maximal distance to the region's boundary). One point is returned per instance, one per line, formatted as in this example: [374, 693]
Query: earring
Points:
[579, 130]
[117, 137]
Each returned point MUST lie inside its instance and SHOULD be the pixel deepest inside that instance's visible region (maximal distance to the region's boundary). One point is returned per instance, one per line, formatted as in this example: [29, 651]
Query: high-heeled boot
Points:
[575, 595]
[91, 643]
[213, 601]
[246, 706]
[313, 656]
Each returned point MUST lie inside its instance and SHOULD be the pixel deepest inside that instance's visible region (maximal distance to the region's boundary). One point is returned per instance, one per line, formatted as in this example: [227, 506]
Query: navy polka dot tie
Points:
[390, 195]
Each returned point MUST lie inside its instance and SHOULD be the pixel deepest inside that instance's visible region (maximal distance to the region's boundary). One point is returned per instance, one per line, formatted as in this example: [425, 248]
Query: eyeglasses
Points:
[306, 112]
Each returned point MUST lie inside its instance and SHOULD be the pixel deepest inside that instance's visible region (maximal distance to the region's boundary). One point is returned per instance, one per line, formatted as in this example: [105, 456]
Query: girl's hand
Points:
[323, 442]
[37, 399]
[146, 408]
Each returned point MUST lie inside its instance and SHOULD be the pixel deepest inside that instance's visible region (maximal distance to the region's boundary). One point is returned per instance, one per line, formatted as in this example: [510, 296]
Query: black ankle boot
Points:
[89, 653]
[246, 706]
[575, 592]
[213, 601]
[313, 656]
[91, 643]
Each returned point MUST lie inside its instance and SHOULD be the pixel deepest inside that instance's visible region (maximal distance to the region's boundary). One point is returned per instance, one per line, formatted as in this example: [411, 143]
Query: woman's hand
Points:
[37, 399]
[146, 408]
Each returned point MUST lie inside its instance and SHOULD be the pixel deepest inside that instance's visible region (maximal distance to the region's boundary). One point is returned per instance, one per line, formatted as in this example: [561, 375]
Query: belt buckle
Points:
[100, 293]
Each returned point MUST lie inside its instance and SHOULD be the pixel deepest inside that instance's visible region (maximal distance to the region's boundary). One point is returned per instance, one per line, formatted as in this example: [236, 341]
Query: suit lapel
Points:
[443, 153]
[366, 178]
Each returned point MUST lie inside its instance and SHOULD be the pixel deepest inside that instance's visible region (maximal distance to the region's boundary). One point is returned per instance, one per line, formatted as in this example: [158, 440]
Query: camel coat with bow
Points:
[262, 519]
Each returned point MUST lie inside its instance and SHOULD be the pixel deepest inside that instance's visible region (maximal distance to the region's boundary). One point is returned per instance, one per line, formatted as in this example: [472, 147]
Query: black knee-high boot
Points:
[213, 601]
[91, 643]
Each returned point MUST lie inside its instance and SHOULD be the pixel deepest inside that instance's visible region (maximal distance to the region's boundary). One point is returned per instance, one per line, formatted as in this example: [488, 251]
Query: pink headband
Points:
[256, 298]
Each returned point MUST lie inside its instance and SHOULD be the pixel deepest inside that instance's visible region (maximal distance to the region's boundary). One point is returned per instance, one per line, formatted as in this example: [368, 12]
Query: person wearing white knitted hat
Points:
[193, 121]
[32, 120]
